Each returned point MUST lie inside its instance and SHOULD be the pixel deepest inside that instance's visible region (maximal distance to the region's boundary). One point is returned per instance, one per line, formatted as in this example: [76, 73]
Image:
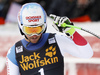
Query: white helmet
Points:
[31, 14]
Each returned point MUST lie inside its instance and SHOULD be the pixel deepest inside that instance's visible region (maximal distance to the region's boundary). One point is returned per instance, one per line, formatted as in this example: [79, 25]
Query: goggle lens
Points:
[29, 30]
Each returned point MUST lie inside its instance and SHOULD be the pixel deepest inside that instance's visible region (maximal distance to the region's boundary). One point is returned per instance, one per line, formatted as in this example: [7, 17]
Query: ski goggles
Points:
[33, 29]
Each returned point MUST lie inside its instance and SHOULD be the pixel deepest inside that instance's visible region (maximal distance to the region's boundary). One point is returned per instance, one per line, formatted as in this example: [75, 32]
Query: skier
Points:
[41, 53]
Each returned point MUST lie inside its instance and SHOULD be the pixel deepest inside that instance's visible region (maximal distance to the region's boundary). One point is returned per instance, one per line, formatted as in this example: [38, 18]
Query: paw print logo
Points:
[50, 51]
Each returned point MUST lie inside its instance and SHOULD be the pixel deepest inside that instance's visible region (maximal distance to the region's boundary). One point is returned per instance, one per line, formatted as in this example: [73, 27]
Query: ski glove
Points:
[59, 23]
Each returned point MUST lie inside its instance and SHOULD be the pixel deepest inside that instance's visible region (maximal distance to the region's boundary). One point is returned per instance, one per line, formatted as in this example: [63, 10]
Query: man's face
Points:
[34, 38]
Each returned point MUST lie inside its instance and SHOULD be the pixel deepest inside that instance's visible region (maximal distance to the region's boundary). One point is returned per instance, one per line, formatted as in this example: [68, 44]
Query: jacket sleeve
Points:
[78, 39]
[12, 66]
[76, 46]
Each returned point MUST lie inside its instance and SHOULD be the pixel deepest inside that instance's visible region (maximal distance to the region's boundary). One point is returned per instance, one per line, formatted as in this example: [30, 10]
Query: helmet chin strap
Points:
[28, 42]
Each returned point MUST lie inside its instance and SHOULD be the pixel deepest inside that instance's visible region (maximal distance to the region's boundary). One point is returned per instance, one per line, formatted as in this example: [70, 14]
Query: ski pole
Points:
[66, 25]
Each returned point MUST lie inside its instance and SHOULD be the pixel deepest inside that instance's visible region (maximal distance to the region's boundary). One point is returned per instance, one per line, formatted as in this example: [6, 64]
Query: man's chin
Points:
[34, 40]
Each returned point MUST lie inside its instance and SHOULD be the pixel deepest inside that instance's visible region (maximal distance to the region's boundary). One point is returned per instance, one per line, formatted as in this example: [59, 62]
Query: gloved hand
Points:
[59, 24]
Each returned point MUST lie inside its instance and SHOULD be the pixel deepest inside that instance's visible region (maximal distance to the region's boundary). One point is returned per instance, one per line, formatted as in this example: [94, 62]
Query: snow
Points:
[2, 63]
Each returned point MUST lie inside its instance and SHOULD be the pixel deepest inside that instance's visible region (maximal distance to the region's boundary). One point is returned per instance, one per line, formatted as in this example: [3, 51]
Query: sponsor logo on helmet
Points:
[33, 18]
